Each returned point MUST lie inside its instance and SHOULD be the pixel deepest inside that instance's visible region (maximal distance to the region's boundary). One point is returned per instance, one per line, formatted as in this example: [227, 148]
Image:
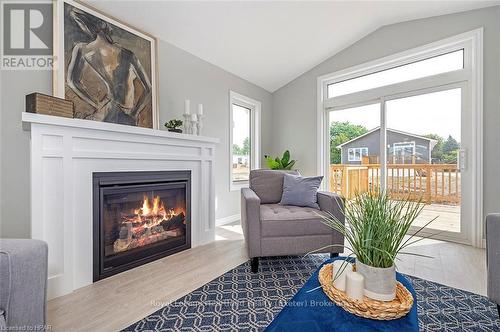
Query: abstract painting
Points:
[108, 68]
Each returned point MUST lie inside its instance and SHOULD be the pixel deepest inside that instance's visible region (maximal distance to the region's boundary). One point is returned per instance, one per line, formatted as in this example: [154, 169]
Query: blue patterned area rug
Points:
[242, 301]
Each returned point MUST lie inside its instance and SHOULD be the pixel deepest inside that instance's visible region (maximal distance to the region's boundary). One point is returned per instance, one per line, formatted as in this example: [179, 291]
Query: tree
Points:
[236, 150]
[445, 151]
[246, 147]
[437, 150]
[341, 132]
[450, 145]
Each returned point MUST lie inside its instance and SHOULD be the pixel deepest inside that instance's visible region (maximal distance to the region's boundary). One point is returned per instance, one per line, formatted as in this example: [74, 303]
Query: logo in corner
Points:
[27, 42]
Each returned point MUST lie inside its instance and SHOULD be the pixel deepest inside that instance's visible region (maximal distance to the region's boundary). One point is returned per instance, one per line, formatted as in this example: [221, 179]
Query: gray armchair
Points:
[493, 257]
[23, 284]
[271, 229]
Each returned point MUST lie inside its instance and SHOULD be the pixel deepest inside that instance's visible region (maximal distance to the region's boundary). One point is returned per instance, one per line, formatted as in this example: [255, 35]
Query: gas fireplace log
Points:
[175, 222]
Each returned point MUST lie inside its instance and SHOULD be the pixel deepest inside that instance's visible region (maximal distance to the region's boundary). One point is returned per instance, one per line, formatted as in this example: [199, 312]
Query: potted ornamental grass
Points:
[376, 231]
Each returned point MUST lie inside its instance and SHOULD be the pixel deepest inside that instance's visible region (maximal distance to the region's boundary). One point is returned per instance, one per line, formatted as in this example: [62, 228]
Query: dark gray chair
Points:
[23, 284]
[271, 229]
[493, 257]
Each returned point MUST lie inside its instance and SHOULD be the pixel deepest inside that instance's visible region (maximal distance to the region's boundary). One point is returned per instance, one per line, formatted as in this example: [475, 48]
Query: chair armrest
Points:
[250, 221]
[332, 203]
[493, 256]
[23, 282]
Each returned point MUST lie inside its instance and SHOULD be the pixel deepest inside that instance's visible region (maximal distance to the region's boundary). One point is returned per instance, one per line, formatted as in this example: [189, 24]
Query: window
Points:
[439, 104]
[356, 154]
[431, 66]
[244, 139]
[404, 148]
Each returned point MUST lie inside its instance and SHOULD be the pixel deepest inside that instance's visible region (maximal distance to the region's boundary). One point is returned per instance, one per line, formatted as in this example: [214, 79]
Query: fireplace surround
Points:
[65, 153]
[139, 217]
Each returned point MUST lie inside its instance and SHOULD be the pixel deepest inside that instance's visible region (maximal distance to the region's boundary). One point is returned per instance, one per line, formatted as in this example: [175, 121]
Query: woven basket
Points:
[367, 308]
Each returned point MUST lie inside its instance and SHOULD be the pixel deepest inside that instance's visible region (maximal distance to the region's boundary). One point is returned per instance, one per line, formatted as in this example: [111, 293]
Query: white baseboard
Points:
[227, 220]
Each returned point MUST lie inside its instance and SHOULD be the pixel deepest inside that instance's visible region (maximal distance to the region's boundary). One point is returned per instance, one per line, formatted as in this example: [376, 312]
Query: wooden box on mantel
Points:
[48, 105]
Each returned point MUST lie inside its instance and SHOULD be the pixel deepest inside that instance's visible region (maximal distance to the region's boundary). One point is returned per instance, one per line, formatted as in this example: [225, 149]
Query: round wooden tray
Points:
[367, 308]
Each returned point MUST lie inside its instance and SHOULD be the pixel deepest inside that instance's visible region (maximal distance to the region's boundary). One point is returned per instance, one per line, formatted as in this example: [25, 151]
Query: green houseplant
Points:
[174, 125]
[376, 229]
[283, 163]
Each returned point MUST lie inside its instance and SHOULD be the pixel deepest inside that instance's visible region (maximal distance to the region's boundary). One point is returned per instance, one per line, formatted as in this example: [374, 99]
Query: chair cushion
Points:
[287, 220]
[268, 184]
[301, 191]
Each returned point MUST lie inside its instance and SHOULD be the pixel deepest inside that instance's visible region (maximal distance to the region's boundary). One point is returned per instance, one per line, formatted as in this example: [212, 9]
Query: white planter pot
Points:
[380, 283]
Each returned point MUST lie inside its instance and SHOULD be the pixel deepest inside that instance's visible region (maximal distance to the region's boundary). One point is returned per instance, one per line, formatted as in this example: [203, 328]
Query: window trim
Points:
[255, 142]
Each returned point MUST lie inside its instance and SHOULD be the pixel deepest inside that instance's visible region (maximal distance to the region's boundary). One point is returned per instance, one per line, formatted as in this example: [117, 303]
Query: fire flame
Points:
[151, 214]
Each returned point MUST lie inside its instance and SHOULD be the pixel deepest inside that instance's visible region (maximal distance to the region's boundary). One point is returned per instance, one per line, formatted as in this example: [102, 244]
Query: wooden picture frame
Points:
[106, 67]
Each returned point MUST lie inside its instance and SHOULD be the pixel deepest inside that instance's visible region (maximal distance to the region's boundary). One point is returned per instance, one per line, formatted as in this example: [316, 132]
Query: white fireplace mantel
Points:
[64, 154]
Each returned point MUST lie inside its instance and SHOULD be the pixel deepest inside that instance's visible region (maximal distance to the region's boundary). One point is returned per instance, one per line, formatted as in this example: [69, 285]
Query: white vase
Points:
[380, 283]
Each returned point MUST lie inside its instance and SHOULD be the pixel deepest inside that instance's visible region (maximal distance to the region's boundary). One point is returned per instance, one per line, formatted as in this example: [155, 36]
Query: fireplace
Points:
[139, 217]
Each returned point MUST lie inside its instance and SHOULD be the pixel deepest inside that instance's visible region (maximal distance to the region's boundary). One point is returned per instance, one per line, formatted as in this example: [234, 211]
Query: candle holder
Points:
[193, 124]
[199, 124]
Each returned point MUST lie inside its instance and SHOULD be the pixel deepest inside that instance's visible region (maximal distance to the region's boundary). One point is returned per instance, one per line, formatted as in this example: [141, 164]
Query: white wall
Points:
[181, 76]
[294, 105]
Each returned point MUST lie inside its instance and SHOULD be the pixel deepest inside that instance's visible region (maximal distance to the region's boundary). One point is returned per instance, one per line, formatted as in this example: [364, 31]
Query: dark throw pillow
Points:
[301, 191]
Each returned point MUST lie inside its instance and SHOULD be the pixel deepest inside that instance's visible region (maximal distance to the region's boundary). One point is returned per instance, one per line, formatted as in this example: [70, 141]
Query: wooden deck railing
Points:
[434, 183]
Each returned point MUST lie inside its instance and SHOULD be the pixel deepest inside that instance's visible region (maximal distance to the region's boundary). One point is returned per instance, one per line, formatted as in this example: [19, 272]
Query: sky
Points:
[241, 124]
[436, 113]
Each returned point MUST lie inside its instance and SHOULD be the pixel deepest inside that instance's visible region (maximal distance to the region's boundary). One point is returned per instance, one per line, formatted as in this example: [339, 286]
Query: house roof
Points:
[433, 141]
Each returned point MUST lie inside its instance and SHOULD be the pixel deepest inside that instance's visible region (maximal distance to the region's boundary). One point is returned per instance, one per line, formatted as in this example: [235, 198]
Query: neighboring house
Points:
[402, 148]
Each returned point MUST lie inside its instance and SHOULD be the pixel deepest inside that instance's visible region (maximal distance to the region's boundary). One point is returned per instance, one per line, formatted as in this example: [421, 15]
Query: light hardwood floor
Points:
[114, 303]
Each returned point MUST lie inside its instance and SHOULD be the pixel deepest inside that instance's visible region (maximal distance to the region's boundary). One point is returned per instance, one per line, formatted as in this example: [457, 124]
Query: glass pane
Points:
[137, 218]
[423, 141]
[354, 146]
[432, 66]
[241, 143]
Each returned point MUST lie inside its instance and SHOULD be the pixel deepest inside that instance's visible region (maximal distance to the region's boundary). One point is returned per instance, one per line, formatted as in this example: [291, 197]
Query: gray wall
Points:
[295, 103]
[181, 76]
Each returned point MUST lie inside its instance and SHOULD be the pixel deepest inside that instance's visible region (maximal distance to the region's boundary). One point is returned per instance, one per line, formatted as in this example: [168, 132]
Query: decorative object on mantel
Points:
[105, 67]
[193, 120]
[48, 105]
[187, 117]
[367, 308]
[174, 125]
[200, 116]
[283, 163]
[375, 229]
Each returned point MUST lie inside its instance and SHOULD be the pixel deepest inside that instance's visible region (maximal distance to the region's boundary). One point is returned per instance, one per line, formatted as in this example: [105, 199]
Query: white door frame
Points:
[471, 77]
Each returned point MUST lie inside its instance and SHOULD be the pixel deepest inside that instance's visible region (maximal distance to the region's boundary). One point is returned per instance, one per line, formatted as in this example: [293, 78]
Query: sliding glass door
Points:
[412, 145]
[410, 124]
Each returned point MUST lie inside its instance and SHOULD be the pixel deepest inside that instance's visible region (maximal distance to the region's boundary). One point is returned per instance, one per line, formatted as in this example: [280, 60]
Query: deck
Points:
[436, 185]
[448, 217]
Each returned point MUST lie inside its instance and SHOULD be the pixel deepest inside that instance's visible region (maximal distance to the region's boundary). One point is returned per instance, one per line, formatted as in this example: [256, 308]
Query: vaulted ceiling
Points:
[271, 43]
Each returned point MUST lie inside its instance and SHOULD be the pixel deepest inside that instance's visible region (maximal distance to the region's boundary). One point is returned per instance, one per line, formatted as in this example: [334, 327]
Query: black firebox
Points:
[139, 217]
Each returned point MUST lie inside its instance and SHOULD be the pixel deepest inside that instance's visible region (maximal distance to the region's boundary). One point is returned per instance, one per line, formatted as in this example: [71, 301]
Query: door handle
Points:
[462, 159]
